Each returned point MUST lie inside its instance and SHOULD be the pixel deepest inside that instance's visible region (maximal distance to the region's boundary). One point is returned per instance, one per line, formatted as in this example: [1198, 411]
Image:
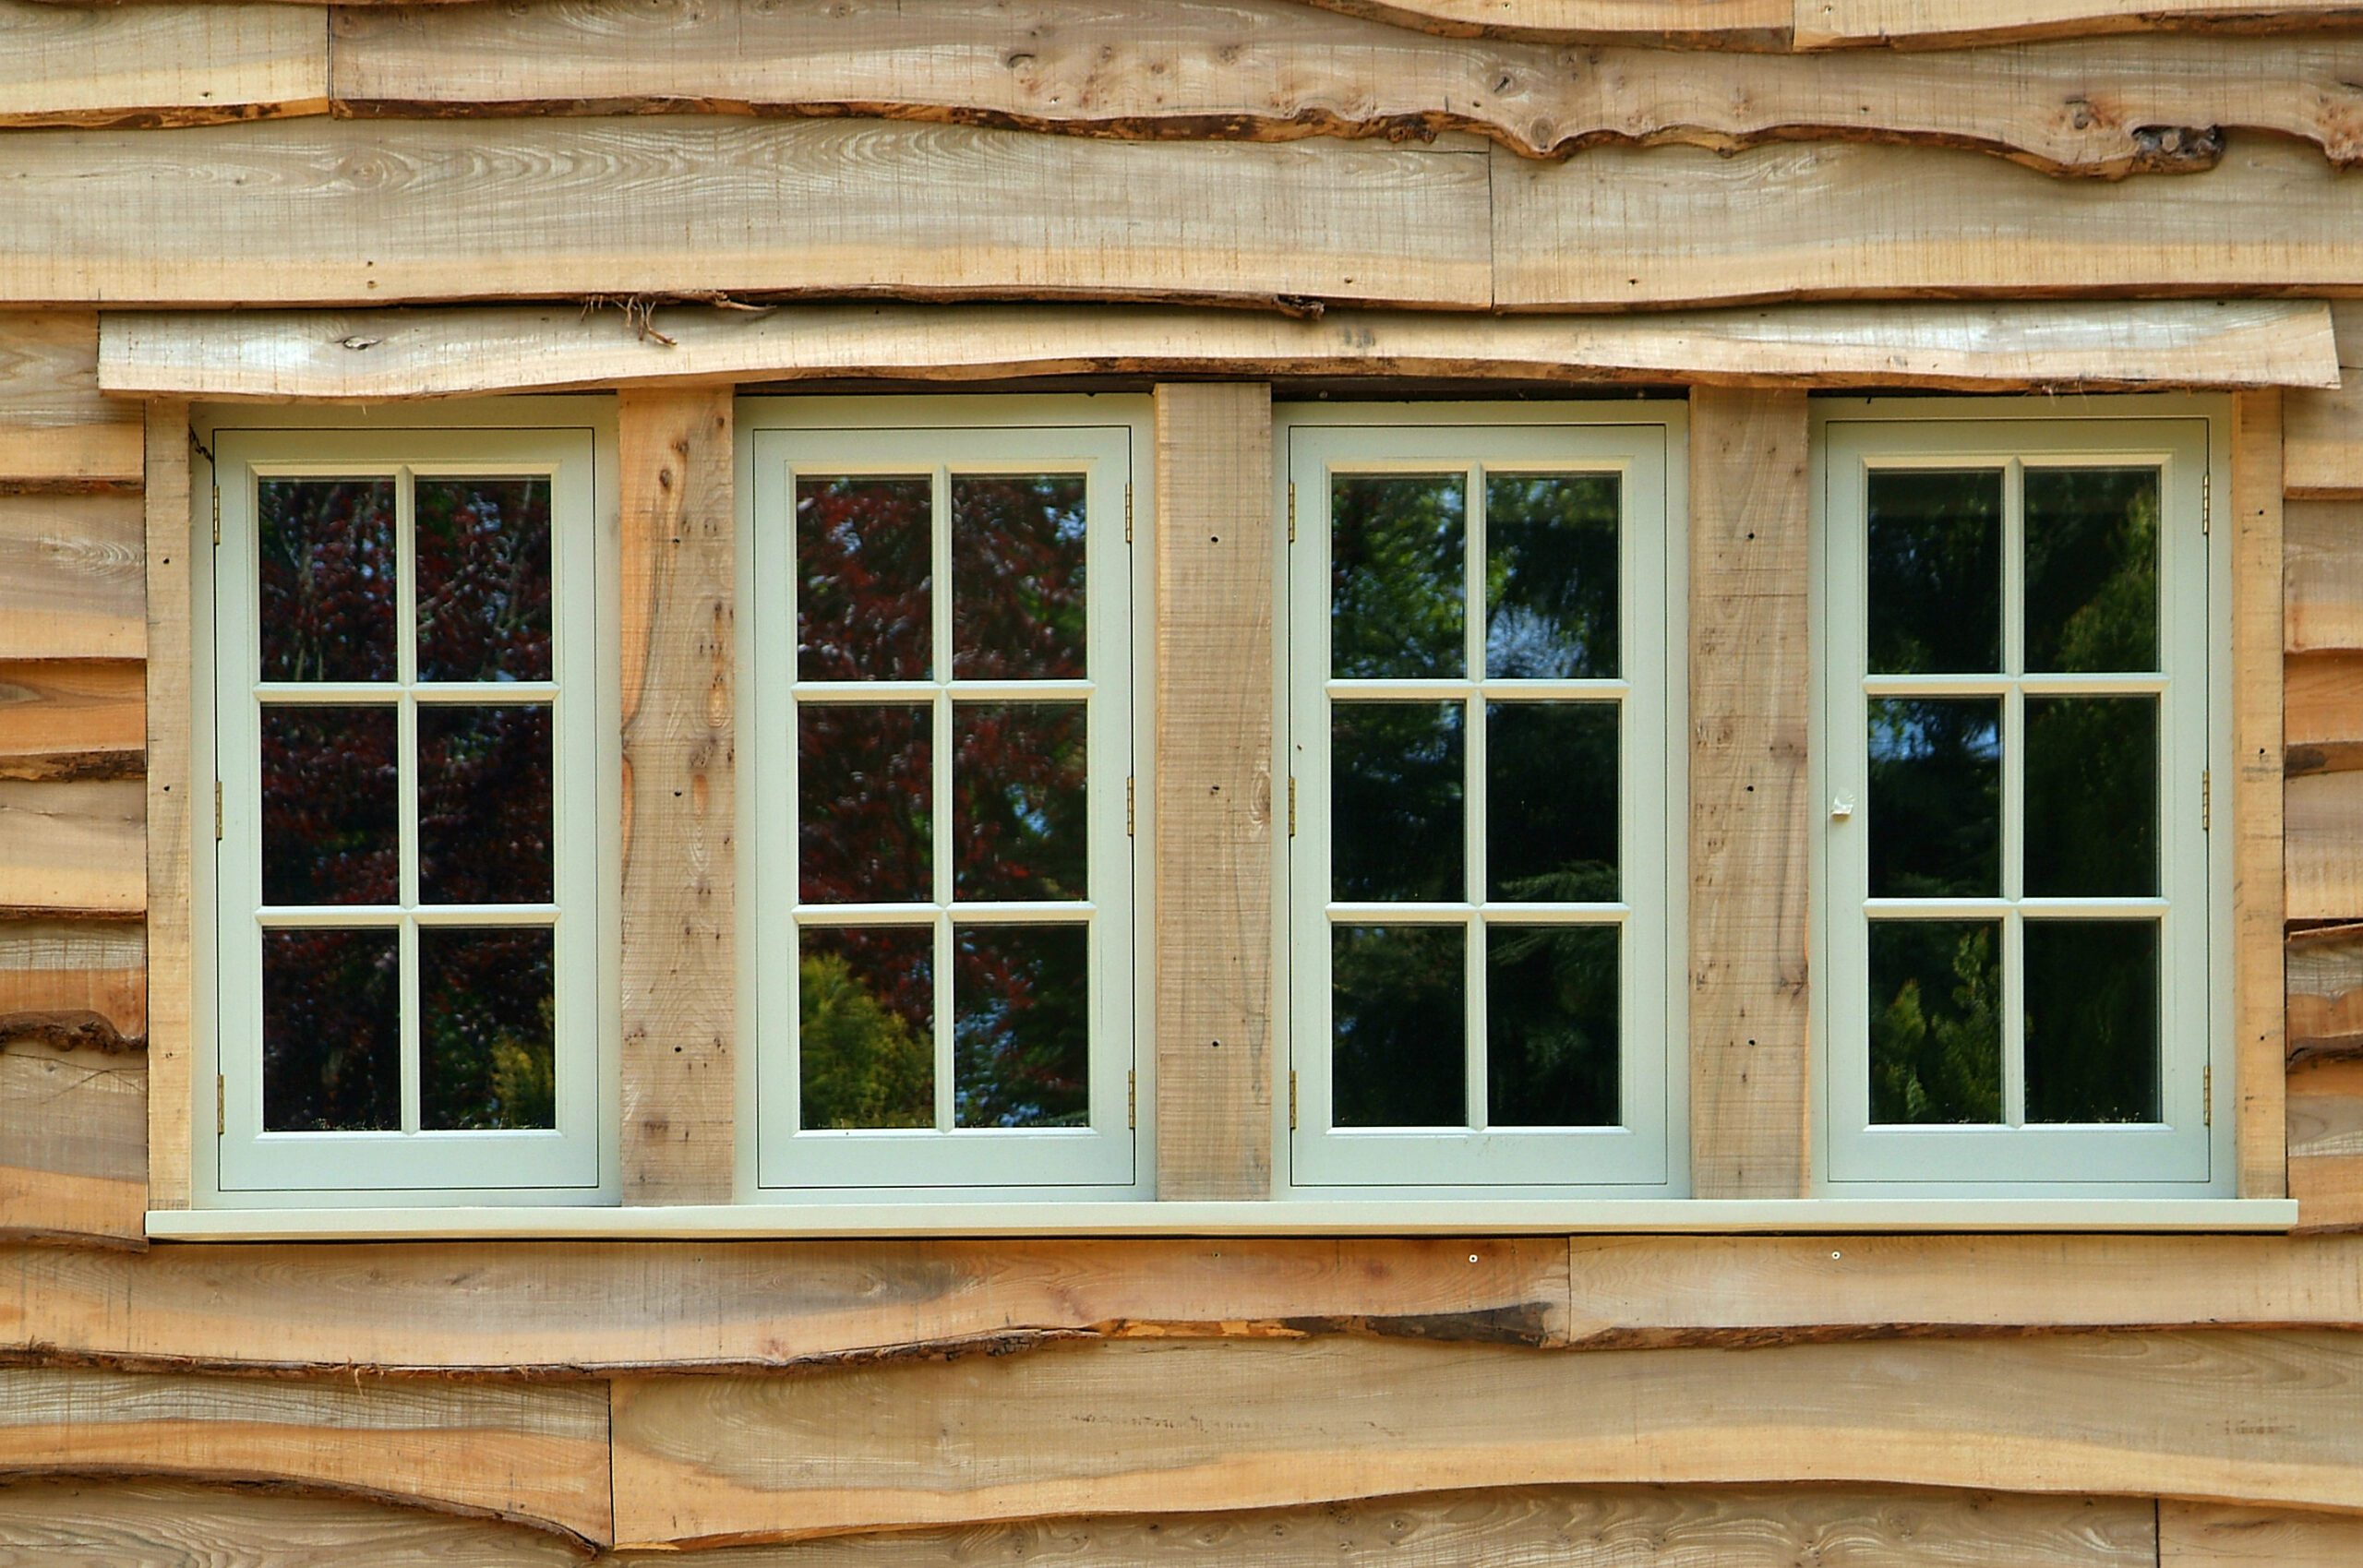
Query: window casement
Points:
[1484, 741]
[405, 723]
[2019, 719]
[941, 954]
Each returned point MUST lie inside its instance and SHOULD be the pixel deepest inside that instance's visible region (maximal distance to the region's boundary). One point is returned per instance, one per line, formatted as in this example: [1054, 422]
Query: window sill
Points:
[1285, 1217]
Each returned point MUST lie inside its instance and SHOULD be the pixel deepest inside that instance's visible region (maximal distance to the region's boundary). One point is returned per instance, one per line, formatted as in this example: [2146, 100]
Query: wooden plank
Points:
[679, 952]
[73, 984]
[1184, 1425]
[70, 577]
[1750, 644]
[1213, 789]
[2321, 707]
[2325, 970]
[156, 66]
[66, 719]
[2326, 1108]
[2322, 582]
[271, 213]
[72, 848]
[2329, 1189]
[378, 356]
[1944, 23]
[532, 1453]
[73, 1145]
[2323, 428]
[2260, 900]
[2324, 816]
[173, 788]
[2208, 1535]
[53, 425]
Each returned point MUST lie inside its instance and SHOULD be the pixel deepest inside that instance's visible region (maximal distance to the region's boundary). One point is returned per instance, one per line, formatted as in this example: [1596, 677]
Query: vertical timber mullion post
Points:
[173, 788]
[2260, 894]
[1213, 794]
[679, 609]
[1751, 660]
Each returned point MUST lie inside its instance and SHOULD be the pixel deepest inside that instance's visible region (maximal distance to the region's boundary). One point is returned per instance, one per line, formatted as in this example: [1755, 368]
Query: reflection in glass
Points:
[2092, 797]
[332, 1031]
[864, 830]
[1551, 1024]
[1398, 575]
[864, 555]
[486, 804]
[1400, 1028]
[1395, 792]
[1021, 1026]
[488, 1033]
[327, 579]
[2092, 1019]
[864, 1037]
[1936, 796]
[2091, 568]
[330, 806]
[1019, 825]
[1936, 572]
[1017, 560]
[1551, 576]
[1935, 1021]
[482, 577]
[1551, 802]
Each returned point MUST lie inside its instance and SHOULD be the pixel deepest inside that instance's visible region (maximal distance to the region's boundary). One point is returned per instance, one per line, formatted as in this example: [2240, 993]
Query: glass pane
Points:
[2092, 1029]
[332, 1031]
[1936, 572]
[2092, 800]
[1936, 796]
[483, 578]
[1395, 793]
[1400, 1027]
[864, 562]
[1021, 1029]
[1020, 823]
[1551, 801]
[2091, 568]
[486, 804]
[864, 779]
[327, 578]
[1551, 576]
[1018, 557]
[1550, 1022]
[865, 1035]
[488, 1033]
[1935, 1021]
[1398, 575]
[330, 806]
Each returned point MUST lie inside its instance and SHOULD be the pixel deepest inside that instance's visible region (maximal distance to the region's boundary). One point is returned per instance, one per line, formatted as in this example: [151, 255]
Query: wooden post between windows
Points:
[1750, 817]
[679, 952]
[1214, 791]
[2259, 893]
[172, 786]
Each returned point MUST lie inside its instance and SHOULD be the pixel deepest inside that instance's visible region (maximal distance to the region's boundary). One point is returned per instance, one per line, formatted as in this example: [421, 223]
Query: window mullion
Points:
[406, 787]
[2014, 665]
[939, 808]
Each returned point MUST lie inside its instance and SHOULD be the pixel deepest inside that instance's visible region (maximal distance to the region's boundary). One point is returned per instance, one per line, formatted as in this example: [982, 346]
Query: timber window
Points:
[942, 953]
[1483, 742]
[2016, 728]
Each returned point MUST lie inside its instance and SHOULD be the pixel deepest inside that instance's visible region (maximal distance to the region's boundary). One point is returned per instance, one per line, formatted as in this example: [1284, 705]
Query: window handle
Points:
[1841, 807]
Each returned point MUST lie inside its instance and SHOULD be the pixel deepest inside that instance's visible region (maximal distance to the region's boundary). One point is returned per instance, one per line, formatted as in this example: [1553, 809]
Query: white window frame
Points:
[1645, 444]
[571, 441]
[1108, 439]
[2189, 1153]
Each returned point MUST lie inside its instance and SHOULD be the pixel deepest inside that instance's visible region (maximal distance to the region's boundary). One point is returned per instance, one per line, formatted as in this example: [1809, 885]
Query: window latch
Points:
[1841, 808]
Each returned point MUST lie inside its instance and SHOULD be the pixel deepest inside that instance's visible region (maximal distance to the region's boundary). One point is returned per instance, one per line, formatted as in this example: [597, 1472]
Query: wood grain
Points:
[173, 788]
[73, 984]
[2329, 1189]
[2322, 581]
[2325, 970]
[2261, 855]
[2323, 813]
[63, 719]
[71, 570]
[55, 428]
[2326, 1108]
[1939, 23]
[73, 1145]
[2208, 1535]
[72, 848]
[158, 66]
[2323, 432]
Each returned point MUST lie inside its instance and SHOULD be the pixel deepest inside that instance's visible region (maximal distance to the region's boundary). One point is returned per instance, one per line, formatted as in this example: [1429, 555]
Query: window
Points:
[406, 724]
[941, 949]
[1483, 737]
[2017, 736]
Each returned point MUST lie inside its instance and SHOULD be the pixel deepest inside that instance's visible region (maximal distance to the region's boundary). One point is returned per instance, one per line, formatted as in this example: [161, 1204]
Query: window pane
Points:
[332, 1031]
[2092, 796]
[1935, 1021]
[483, 578]
[487, 1030]
[1551, 802]
[1936, 796]
[1020, 808]
[1395, 792]
[1398, 1052]
[865, 1035]
[1017, 559]
[1399, 588]
[2092, 1029]
[486, 804]
[1551, 576]
[1936, 572]
[864, 561]
[327, 579]
[329, 794]
[1021, 1046]
[1551, 1023]
[2091, 568]
[864, 833]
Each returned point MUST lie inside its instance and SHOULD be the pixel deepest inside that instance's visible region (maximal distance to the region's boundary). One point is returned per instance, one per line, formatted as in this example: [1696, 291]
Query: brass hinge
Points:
[1131, 796]
[1128, 512]
[1132, 1099]
[1291, 511]
[220, 1106]
[1291, 1100]
[217, 514]
[2206, 502]
[1291, 807]
[217, 811]
[2206, 801]
[2207, 1094]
